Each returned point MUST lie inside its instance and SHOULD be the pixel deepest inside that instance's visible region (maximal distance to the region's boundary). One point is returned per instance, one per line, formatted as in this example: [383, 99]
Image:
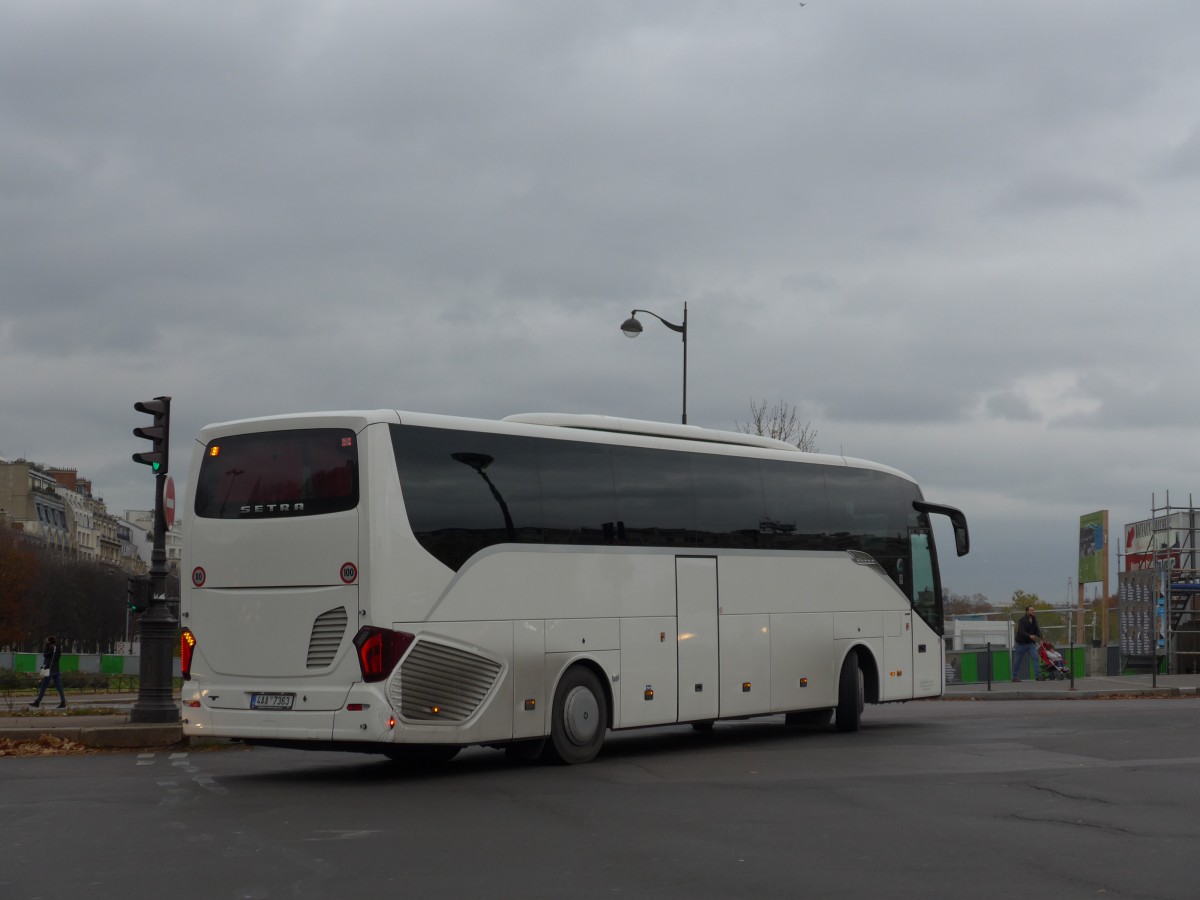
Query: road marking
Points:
[341, 835]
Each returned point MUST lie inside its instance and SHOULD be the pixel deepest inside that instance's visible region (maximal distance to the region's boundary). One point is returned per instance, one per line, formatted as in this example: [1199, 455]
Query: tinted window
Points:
[578, 504]
[655, 503]
[797, 516]
[729, 509]
[873, 512]
[466, 491]
[276, 474]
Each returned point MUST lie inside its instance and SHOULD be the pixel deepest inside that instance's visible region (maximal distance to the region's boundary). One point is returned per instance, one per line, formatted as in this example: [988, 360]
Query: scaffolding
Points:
[1159, 599]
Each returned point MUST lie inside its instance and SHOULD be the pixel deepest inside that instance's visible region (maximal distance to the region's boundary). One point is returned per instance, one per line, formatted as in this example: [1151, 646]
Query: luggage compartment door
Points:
[696, 617]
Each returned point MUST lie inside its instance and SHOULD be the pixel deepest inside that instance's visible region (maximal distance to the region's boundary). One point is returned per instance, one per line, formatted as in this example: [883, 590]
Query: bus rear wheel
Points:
[850, 695]
[579, 720]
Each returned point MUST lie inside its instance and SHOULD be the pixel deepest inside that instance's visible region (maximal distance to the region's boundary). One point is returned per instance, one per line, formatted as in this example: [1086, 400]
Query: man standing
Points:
[1029, 636]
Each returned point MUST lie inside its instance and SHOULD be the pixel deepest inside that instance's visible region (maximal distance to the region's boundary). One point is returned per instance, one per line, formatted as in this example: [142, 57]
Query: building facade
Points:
[143, 519]
[29, 499]
[54, 508]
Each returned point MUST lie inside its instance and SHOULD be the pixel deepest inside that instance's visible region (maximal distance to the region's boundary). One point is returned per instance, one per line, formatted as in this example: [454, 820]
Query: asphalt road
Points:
[1061, 799]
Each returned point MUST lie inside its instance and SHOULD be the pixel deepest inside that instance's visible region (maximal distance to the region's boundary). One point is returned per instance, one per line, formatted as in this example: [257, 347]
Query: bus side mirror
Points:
[958, 521]
[962, 539]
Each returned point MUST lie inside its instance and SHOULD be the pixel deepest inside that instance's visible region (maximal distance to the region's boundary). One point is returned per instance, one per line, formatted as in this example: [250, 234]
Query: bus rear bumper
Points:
[371, 723]
[362, 717]
[248, 724]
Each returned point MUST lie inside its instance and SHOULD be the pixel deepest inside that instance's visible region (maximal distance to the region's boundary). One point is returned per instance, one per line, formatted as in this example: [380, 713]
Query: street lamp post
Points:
[631, 328]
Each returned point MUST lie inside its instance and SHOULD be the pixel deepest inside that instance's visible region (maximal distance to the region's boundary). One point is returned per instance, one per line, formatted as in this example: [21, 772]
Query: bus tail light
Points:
[379, 650]
[187, 647]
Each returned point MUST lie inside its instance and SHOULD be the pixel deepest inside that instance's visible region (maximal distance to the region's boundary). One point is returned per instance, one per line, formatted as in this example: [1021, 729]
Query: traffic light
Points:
[159, 434]
[139, 593]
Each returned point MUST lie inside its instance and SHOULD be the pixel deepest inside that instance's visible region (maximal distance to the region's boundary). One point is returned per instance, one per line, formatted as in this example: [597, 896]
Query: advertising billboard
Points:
[1093, 547]
[1161, 541]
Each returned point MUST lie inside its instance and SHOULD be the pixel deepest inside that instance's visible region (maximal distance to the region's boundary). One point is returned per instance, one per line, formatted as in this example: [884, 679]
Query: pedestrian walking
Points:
[51, 654]
[1029, 636]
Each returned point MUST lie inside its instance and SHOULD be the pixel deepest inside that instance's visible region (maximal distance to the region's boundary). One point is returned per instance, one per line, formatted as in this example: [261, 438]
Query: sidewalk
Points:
[1091, 688]
[90, 730]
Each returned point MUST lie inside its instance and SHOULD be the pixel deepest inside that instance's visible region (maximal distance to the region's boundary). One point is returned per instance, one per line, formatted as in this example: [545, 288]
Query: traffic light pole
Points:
[155, 702]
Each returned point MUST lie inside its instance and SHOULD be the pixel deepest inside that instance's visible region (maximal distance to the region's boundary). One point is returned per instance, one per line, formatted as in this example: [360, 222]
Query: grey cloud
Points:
[1183, 160]
[1013, 406]
[887, 214]
[1053, 191]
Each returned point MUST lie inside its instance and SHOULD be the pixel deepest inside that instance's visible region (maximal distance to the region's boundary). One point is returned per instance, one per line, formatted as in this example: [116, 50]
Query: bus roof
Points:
[595, 425]
[650, 429]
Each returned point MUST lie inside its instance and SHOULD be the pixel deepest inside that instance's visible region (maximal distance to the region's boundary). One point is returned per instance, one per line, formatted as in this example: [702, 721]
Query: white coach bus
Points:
[410, 584]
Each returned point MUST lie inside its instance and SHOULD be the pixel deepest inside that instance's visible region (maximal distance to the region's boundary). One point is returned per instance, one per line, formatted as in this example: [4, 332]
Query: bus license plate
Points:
[271, 701]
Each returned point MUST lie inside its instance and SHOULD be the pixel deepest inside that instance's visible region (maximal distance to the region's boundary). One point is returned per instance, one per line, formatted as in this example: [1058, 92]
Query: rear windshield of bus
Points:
[279, 474]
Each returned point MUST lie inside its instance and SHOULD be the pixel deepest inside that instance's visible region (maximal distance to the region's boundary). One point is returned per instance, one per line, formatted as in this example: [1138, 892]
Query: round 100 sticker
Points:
[349, 572]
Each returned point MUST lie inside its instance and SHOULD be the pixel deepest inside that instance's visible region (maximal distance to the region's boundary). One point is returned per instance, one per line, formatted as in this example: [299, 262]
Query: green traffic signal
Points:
[138, 596]
[159, 433]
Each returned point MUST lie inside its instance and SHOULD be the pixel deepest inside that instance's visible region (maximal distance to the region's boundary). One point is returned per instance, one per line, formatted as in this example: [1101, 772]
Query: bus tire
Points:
[579, 719]
[808, 718]
[850, 694]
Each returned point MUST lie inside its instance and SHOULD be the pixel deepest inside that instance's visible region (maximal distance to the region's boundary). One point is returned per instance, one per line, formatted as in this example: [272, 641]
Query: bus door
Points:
[927, 657]
[696, 618]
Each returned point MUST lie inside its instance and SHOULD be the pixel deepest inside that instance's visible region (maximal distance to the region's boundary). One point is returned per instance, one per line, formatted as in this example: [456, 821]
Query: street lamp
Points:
[631, 328]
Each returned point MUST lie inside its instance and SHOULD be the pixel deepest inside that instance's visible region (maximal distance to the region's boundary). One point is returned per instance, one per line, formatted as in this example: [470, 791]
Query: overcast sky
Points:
[960, 237]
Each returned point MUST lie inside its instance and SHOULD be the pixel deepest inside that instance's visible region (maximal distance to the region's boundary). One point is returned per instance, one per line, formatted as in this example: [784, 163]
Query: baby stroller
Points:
[1053, 665]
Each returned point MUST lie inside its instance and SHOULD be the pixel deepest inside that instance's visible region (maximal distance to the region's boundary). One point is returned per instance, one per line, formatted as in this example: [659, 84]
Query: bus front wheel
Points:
[850, 695]
[579, 720]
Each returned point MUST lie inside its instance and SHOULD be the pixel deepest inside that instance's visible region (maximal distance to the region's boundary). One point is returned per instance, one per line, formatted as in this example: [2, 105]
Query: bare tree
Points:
[781, 422]
[45, 592]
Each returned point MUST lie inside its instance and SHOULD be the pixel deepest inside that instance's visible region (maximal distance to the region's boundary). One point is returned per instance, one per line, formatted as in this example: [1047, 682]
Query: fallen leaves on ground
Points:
[44, 745]
[25, 712]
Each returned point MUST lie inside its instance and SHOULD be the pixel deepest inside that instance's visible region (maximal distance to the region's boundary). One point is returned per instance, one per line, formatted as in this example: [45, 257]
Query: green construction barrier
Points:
[31, 662]
[112, 665]
[1001, 666]
[1077, 661]
[973, 666]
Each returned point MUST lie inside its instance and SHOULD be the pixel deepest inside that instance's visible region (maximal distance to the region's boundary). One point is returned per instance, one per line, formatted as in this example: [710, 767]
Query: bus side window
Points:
[923, 593]
[655, 496]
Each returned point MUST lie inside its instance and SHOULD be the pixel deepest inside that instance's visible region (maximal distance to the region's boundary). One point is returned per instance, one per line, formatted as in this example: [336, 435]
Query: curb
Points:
[1072, 695]
[111, 736]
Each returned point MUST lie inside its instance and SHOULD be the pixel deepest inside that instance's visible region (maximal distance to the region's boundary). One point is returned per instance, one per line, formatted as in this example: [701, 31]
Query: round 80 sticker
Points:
[198, 576]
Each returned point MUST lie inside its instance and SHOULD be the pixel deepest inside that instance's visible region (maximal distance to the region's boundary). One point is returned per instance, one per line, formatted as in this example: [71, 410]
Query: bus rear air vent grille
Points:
[439, 683]
[327, 633]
